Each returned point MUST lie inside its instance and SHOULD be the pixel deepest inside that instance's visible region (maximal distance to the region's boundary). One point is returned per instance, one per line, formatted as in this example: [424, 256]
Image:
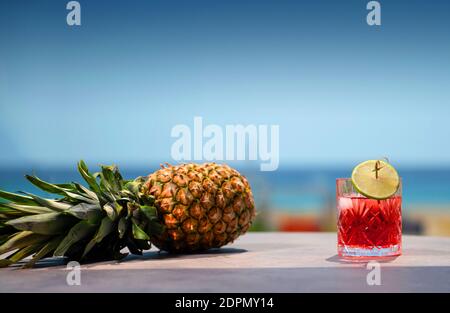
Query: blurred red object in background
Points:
[302, 223]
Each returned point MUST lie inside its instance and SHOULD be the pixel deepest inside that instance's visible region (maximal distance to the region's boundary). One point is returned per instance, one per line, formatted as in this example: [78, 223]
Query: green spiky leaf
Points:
[86, 192]
[106, 227]
[5, 263]
[43, 185]
[122, 227]
[110, 211]
[44, 224]
[48, 248]
[27, 209]
[78, 232]
[20, 240]
[133, 187]
[91, 212]
[88, 177]
[77, 197]
[111, 175]
[23, 253]
[50, 204]
[67, 186]
[9, 213]
[149, 212]
[53, 188]
[138, 233]
[16, 198]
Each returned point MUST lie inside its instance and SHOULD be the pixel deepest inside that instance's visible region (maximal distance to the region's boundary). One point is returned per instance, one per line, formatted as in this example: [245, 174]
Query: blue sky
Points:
[112, 89]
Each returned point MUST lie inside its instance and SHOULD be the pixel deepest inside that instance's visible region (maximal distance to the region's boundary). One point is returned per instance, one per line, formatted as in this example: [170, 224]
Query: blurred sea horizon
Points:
[290, 190]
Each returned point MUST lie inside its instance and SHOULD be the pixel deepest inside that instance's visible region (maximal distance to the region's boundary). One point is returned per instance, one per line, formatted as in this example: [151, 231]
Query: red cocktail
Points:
[367, 227]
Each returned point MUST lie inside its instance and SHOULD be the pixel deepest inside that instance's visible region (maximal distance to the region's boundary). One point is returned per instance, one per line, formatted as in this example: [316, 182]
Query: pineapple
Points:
[182, 208]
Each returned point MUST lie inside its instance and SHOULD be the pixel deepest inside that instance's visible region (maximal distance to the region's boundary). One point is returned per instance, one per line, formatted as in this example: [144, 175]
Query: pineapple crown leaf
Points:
[96, 220]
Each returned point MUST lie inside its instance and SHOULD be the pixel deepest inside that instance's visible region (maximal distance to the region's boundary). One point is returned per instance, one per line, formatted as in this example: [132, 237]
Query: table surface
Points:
[256, 262]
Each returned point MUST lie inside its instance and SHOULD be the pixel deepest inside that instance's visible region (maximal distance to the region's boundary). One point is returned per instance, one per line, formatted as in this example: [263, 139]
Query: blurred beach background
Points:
[111, 90]
[298, 199]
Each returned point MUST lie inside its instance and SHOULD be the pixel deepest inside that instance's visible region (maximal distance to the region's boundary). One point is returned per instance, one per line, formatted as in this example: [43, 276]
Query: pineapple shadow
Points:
[161, 255]
[147, 255]
[41, 264]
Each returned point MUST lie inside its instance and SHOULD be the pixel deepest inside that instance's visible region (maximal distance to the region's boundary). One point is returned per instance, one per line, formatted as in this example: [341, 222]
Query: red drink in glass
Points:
[367, 227]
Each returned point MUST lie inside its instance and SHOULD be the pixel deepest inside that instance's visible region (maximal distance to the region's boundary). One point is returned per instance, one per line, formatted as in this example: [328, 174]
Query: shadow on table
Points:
[161, 255]
[49, 262]
[337, 259]
[148, 255]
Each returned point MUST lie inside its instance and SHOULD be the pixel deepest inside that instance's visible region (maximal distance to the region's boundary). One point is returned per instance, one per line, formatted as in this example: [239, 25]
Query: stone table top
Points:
[256, 262]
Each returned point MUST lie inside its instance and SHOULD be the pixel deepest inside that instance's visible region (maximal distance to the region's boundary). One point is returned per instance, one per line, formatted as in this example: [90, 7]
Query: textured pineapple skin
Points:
[202, 206]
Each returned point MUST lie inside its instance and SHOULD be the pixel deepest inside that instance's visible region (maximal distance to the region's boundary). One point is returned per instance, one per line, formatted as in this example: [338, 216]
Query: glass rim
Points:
[347, 183]
[349, 179]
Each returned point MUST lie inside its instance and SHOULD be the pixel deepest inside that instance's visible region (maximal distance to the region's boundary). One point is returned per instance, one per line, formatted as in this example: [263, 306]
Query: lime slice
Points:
[375, 179]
